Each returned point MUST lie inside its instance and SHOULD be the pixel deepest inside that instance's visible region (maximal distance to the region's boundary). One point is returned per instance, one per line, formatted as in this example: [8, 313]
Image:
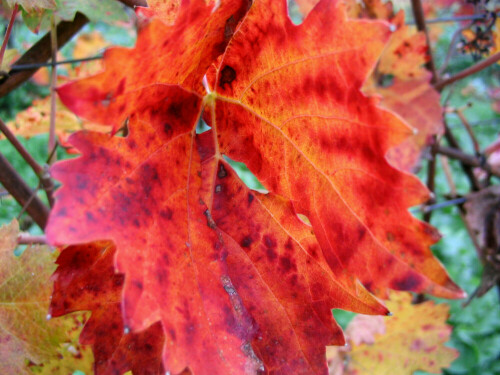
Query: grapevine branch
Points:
[22, 193]
[7, 33]
[27, 239]
[40, 52]
[45, 180]
[466, 159]
[469, 71]
[418, 14]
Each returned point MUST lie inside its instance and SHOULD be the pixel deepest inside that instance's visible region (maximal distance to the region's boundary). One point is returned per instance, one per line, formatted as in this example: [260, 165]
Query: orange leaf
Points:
[236, 279]
[316, 138]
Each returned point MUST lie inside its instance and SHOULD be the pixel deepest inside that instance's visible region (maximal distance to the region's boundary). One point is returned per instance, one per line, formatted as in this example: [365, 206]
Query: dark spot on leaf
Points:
[227, 76]
[167, 213]
[269, 241]
[167, 128]
[410, 281]
[222, 171]
[138, 284]
[286, 264]
[250, 198]
[246, 241]
[271, 254]
[172, 333]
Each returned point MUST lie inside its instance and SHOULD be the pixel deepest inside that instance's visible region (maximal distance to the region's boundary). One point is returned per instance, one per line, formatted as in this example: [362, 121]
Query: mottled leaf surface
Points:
[276, 267]
[316, 138]
[33, 5]
[26, 336]
[238, 281]
[413, 340]
[85, 280]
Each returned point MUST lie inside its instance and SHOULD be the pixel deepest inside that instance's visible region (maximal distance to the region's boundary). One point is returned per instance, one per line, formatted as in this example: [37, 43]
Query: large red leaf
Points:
[234, 277]
[288, 104]
[85, 280]
[276, 266]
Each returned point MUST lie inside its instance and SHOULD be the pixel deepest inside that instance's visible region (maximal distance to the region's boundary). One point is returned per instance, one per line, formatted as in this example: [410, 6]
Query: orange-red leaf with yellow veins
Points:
[276, 266]
[141, 192]
[85, 280]
[288, 104]
[177, 54]
[235, 278]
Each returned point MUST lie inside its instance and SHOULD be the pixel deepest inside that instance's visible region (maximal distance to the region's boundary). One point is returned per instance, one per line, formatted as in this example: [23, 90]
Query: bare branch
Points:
[27, 239]
[7, 33]
[21, 192]
[469, 71]
[418, 14]
[40, 52]
[467, 159]
[45, 180]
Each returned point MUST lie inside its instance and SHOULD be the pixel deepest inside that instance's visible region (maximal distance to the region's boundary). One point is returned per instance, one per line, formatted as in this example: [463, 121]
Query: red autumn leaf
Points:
[236, 279]
[316, 139]
[265, 239]
[85, 280]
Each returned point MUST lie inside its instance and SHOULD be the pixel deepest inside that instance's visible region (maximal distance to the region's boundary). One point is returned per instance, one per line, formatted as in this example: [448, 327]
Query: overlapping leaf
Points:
[85, 280]
[235, 278]
[403, 60]
[26, 336]
[413, 339]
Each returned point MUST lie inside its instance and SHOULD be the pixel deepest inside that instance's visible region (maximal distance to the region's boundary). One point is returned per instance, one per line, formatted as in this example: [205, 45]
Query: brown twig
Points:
[7, 33]
[418, 14]
[451, 49]
[467, 159]
[134, 3]
[41, 52]
[21, 192]
[448, 175]
[431, 178]
[53, 83]
[469, 130]
[469, 172]
[27, 239]
[469, 71]
[42, 174]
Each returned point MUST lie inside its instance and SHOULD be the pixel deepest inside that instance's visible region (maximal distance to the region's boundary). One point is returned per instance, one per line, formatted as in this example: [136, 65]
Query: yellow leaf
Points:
[413, 340]
[27, 338]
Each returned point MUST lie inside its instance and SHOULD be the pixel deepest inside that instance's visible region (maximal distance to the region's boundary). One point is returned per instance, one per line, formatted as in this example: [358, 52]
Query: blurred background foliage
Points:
[476, 331]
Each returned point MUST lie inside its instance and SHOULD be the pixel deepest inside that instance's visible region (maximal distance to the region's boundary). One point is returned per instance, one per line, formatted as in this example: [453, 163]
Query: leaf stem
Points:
[7, 33]
[469, 71]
